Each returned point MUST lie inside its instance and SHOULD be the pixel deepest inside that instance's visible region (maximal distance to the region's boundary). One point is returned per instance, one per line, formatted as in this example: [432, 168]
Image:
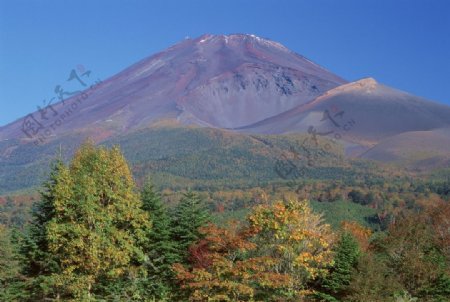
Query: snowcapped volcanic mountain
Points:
[218, 81]
[248, 84]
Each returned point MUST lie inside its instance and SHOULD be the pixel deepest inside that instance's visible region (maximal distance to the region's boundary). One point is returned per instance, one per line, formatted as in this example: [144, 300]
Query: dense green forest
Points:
[199, 158]
[95, 234]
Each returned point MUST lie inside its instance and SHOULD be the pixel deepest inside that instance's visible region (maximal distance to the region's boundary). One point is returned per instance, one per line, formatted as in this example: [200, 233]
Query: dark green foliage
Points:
[161, 250]
[199, 158]
[338, 211]
[14, 215]
[188, 216]
[372, 281]
[440, 290]
[28, 166]
[441, 188]
[357, 197]
[347, 253]
[38, 262]
[11, 289]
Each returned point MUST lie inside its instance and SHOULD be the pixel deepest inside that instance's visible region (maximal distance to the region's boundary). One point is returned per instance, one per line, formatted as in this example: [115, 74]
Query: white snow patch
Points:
[269, 42]
[149, 68]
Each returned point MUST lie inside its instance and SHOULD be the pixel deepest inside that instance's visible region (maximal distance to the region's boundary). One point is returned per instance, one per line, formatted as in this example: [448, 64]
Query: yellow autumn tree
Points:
[280, 250]
[292, 233]
[97, 224]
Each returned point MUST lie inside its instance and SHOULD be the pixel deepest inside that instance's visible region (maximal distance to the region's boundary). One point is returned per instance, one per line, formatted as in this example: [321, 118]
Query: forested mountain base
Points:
[200, 158]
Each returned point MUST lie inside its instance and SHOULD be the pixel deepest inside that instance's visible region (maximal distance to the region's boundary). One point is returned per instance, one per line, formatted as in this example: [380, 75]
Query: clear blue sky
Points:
[401, 43]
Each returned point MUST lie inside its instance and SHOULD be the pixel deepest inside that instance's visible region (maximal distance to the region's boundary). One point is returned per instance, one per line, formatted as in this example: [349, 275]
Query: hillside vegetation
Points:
[196, 157]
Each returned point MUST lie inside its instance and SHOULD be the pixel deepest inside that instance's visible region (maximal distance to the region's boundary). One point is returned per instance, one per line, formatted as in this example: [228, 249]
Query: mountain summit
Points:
[224, 81]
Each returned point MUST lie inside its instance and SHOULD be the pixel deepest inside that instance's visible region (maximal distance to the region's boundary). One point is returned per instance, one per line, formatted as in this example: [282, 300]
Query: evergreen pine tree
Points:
[346, 257]
[161, 249]
[38, 263]
[189, 215]
[11, 289]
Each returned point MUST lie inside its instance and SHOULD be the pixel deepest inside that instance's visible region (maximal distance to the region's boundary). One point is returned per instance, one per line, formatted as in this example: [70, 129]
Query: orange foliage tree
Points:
[222, 271]
[282, 247]
[359, 232]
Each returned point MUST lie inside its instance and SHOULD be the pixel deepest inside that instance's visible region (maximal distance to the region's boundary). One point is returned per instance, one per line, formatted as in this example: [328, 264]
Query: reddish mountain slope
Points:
[221, 81]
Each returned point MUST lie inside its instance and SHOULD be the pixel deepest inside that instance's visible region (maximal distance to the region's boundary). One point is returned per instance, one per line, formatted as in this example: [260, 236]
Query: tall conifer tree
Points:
[160, 249]
[189, 215]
